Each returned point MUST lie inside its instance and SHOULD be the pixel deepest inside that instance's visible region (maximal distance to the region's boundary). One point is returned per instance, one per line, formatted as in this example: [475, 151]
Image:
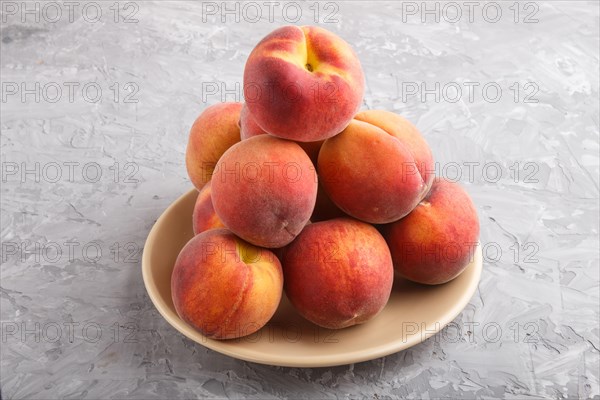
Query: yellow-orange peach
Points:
[264, 190]
[204, 216]
[370, 174]
[435, 242]
[224, 287]
[338, 273]
[303, 83]
[409, 135]
[213, 132]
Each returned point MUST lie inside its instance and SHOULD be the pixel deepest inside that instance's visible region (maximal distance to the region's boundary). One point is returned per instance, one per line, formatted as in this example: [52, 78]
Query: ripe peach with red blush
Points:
[436, 241]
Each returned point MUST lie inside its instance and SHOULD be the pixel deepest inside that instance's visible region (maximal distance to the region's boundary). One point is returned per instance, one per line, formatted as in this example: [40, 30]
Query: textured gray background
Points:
[548, 210]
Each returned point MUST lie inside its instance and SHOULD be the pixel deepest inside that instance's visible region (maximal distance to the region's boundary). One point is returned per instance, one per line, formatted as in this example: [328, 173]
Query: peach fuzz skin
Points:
[369, 174]
[264, 190]
[400, 128]
[204, 216]
[249, 128]
[436, 241]
[338, 273]
[213, 132]
[303, 83]
[224, 287]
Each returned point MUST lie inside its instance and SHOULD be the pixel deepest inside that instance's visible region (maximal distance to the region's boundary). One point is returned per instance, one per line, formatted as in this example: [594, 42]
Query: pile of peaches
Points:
[300, 192]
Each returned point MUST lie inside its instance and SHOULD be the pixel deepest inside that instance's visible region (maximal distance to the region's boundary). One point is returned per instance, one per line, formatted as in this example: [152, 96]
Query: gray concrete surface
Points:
[96, 109]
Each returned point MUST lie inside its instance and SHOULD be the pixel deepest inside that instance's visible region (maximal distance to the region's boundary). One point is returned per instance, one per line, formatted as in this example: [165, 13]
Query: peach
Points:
[409, 135]
[264, 190]
[338, 273]
[224, 287]
[213, 132]
[204, 216]
[435, 242]
[249, 128]
[303, 83]
[370, 174]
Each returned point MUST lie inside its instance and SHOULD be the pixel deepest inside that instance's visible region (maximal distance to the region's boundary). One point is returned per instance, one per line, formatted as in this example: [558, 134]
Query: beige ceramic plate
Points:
[413, 313]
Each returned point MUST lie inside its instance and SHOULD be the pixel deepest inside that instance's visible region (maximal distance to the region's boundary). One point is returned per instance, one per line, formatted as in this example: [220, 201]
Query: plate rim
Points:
[298, 361]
